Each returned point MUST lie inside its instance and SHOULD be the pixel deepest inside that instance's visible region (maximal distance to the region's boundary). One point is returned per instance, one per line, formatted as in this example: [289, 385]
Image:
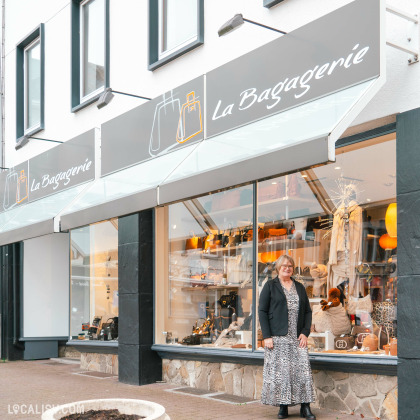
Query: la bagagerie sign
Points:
[327, 55]
[62, 167]
[62, 178]
[298, 86]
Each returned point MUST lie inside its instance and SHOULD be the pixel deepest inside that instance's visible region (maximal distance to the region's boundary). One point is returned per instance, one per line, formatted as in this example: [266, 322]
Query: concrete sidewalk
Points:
[26, 388]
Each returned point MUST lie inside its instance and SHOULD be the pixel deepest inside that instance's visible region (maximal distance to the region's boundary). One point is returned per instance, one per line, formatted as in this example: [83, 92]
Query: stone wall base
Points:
[68, 351]
[373, 396]
[99, 362]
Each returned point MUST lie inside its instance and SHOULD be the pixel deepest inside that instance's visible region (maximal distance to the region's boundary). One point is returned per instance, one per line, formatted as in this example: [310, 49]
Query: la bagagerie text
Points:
[60, 178]
[298, 84]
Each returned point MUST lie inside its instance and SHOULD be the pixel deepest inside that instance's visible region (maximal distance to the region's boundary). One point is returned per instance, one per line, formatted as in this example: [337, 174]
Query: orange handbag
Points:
[193, 243]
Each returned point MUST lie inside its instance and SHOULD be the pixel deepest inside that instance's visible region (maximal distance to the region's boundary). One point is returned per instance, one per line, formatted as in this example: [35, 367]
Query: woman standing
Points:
[285, 318]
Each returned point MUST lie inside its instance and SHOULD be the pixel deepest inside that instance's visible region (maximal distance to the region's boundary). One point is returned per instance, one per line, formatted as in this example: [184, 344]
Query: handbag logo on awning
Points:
[61, 178]
[299, 85]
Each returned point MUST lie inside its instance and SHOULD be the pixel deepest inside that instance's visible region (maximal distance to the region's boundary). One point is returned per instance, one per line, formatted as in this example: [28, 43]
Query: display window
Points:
[338, 223]
[205, 291]
[94, 282]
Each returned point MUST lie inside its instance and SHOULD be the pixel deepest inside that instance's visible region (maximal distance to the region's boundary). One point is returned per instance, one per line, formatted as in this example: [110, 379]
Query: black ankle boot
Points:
[305, 411]
[283, 412]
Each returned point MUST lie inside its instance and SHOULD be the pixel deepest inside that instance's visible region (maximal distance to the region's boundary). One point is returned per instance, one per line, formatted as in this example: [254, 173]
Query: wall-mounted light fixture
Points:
[108, 95]
[237, 21]
[25, 139]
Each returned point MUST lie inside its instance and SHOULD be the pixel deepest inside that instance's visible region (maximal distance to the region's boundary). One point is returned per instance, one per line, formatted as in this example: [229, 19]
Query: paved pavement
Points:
[28, 387]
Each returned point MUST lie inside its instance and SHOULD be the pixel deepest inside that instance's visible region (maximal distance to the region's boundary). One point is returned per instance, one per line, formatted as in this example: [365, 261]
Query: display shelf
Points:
[286, 244]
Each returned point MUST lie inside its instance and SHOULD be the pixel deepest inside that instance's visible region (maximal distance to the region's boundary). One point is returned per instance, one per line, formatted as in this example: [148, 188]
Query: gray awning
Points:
[36, 218]
[127, 191]
[295, 139]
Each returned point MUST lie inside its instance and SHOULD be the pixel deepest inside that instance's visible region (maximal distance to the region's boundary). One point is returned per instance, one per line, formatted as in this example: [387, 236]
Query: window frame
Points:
[33, 44]
[157, 57]
[77, 100]
[36, 36]
[271, 3]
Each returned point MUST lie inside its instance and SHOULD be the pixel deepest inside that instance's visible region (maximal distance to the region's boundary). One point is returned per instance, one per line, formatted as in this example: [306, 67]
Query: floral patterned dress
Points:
[287, 375]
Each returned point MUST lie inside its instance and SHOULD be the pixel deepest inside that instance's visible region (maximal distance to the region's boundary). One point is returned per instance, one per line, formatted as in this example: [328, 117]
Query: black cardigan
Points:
[273, 313]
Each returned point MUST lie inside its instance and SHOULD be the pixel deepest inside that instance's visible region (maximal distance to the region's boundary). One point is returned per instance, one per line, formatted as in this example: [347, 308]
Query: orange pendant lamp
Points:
[391, 220]
[388, 242]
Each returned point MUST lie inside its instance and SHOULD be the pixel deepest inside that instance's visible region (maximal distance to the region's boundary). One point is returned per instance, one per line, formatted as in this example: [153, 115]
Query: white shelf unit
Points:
[328, 339]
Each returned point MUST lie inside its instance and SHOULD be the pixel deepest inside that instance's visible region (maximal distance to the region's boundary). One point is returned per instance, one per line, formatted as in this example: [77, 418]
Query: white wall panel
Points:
[46, 286]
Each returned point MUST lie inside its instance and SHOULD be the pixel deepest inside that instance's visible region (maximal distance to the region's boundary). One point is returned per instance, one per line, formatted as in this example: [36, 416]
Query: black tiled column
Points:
[408, 202]
[138, 364]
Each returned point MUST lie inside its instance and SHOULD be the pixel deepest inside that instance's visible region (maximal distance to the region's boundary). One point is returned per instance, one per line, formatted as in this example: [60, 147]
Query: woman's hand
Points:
[268, 343]
[303, 341]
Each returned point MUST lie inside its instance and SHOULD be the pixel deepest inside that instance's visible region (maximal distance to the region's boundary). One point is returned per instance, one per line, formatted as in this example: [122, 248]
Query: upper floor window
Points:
[30, 84]
[90, 51]
[176, 27]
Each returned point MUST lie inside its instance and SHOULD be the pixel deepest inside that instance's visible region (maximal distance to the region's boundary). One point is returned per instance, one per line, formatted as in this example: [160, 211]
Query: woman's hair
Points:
[281, 260]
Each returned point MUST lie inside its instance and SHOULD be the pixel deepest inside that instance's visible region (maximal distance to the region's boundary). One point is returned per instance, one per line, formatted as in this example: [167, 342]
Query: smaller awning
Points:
[127, 191]
[36, 218]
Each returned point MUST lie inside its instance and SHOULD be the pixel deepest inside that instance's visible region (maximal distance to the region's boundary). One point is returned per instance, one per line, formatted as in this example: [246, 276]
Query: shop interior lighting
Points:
[108, 95]
[25, 139]
[237, 21]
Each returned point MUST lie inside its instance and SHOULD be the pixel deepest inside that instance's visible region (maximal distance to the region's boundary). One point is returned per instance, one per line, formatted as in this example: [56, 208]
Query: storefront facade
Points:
[184, 204]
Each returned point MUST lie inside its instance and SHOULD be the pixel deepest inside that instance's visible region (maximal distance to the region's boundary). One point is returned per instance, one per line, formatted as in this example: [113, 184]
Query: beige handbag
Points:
[363, 304]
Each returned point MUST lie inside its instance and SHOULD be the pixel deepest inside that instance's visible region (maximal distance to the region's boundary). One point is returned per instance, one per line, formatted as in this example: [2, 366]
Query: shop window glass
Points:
[94, 282]
[338, 222]
[32, 86]
[205, 271]
[175, 28]
[178, 24]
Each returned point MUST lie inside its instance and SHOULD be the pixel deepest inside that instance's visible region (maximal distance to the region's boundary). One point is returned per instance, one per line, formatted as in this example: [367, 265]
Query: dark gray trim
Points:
[20, 75]
[76, 104]
[291, 158]
[366, 135]
[43, 338]
[86, 103]
[120, 207]
[356, 364]
[102, 347]
[271, 3]
[154, 62]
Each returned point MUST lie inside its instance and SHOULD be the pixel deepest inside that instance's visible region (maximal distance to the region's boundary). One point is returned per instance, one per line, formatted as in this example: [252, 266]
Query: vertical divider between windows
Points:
[254, 262]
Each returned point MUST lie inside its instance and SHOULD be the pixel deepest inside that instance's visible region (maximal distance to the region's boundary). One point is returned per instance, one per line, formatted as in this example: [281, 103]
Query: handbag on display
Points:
[195, 242]
[111, 328]
[229, 300]
[344, 342]
[384, 312]
[234, 269]
[371, 342]
[360, 333]
[385, 315]
[356, 305]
